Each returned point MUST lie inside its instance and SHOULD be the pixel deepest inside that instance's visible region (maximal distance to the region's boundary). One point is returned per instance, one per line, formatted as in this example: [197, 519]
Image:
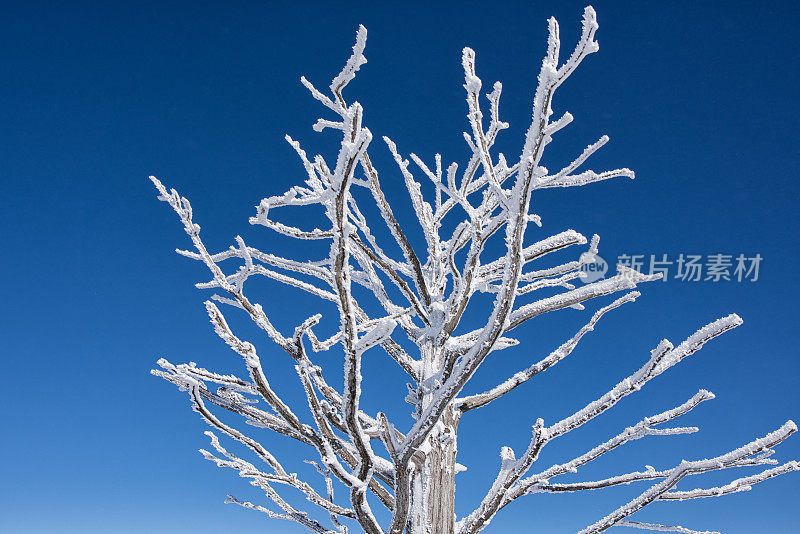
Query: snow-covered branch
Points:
[482, 399]
[686, 468]
[540, 481]
[653, 527]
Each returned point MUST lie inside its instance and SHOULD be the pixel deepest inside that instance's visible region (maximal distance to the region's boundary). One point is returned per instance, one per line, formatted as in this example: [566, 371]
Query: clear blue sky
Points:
[699, 99]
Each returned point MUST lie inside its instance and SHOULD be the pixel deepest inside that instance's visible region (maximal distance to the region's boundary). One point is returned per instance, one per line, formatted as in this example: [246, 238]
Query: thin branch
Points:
[184, 210]
[248, 470]
[482, 399]
[642, 428]
[686, 468]
[663, 528]
[740, 484]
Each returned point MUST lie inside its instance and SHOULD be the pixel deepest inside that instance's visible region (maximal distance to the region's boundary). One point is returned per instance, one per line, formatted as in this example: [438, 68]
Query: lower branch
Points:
[686, 468]
[664, 528]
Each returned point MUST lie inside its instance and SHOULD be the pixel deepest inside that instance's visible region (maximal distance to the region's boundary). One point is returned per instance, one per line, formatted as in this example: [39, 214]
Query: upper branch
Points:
[355, 141]
[515, 217]
[183, 208]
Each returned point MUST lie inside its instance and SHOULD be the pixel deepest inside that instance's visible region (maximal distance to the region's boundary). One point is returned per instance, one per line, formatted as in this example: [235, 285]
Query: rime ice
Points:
[423, 296]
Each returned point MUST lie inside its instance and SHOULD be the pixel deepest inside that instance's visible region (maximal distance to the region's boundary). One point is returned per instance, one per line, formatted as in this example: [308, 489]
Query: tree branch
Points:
[686, 468]
[482, 399]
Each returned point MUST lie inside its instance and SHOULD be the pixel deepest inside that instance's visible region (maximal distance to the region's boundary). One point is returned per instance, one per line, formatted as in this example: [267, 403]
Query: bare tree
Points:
[411, 473]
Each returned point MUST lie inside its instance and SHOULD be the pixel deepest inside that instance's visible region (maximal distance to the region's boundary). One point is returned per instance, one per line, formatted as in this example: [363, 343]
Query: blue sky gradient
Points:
[699, 99]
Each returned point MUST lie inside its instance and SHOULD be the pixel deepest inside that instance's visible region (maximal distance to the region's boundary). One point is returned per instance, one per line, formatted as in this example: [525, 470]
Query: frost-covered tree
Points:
[423, 295]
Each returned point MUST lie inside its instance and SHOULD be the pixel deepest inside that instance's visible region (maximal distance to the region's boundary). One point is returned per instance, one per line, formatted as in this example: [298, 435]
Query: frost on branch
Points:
[381, 292]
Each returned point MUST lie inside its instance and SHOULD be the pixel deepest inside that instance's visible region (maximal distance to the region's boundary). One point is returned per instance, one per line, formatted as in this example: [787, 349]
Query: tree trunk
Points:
[433, 484]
